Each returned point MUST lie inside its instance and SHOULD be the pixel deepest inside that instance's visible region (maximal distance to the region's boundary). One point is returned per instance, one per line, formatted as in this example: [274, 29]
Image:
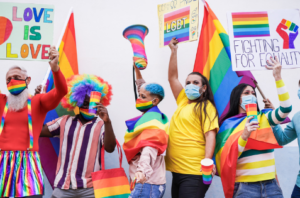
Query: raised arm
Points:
[139, 78]
[51, 99]
[278, 115]
[173, 70]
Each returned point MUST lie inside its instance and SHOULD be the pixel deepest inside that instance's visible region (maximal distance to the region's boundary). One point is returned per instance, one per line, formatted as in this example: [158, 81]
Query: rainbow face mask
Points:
[15, 87]
[85, 114]
[143, 105]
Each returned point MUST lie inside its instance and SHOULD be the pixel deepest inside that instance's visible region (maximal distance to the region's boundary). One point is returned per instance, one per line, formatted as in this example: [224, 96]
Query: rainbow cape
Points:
[213, 60]
[148, 129]
[226, 150]
[49, 147]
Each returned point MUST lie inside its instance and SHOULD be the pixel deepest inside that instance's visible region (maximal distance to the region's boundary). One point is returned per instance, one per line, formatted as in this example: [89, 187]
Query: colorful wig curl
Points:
[81, 85]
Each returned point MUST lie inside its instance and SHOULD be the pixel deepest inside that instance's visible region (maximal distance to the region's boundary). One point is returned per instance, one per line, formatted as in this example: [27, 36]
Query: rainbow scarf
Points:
[29, 120]
[85, 114]
[226, 150]
[15, 87]
[148, 129]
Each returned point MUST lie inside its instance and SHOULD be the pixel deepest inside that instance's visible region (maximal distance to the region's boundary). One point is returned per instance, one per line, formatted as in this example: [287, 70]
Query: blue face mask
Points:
[299, 93]
[192, 91]
[250, 99]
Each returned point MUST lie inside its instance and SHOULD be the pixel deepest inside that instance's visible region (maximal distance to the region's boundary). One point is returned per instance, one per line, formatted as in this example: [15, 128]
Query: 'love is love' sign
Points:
[26, 31]
[258, 35]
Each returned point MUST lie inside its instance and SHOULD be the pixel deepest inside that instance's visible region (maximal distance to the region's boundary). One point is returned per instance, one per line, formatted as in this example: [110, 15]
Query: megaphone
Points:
[136, 35]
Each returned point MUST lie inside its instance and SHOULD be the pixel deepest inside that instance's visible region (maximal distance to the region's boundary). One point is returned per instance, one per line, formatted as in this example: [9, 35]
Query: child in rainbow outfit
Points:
[145, 142]
[81, 137]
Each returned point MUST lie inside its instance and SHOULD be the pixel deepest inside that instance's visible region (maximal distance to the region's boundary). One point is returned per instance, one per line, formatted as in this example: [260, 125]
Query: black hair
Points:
[235, 101]
[202, 100]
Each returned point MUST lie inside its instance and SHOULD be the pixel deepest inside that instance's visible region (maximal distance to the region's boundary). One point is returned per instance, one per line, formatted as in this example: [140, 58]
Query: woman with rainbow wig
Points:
[81, 136]
[146, 141]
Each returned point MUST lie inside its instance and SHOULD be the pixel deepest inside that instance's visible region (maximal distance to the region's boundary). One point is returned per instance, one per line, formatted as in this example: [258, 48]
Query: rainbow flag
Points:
[49, 147]
[173, 28]
[148, 129]
[250, 24]
[213, 60]
[226, 150]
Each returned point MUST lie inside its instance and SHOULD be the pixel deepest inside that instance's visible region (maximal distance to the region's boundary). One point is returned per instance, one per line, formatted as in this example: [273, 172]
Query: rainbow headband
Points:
[29, 121]
[16, 87]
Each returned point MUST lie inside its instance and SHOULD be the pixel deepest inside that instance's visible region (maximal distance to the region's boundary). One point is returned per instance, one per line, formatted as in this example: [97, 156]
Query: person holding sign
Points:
[81, 136]
[192, 132]
[145, 142]
[290, 133]
[245, 148]
[21, 124]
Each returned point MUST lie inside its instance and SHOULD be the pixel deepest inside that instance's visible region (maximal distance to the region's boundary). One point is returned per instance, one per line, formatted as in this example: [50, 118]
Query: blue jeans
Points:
[296, 192]
[148, 191]
[263, 189]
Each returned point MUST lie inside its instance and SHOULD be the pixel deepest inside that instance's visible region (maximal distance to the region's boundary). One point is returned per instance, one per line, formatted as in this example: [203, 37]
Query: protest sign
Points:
[178, 18]
[256, 36]
[26, 31]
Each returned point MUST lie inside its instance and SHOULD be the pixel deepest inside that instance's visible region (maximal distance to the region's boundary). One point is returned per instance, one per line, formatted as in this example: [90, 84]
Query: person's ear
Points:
[204, 87]
[28, 80]
[155, 101]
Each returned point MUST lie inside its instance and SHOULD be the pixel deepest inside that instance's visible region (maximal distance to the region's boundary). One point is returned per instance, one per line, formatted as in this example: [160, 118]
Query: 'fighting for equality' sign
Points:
[256, 36]
[26, 31]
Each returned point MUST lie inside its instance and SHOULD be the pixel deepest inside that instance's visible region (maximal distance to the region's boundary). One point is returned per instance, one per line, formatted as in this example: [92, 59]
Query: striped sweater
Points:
[254, 165]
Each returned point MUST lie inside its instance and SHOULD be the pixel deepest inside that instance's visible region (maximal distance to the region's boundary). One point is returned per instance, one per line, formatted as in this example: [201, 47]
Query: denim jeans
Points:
[148, 191]
[296, 192]
[263, 189]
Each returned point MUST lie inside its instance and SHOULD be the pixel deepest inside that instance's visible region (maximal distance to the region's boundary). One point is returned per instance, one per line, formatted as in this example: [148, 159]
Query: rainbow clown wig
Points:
[81, 85]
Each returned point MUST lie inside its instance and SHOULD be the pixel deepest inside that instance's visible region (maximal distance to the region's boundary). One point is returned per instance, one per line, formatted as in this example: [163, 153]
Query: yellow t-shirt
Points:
[186, 147]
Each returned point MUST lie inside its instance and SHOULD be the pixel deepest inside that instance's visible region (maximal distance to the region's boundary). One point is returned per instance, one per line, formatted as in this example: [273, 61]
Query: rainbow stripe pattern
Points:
[177, 24]
[213, 61]
[143, 105]
[148, 129]
[85, 114]
[250, 24]
[68, 64]
[227, 147]
[290, 25]
[23, 167]
[206, 174]
[29, 121]
[15, 87]
[136, 35]
[251, 110]
[5, 30]
[94, 98]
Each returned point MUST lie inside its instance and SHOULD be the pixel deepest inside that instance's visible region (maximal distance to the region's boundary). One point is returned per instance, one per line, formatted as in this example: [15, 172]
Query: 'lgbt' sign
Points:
[178, 19]
[177, 25]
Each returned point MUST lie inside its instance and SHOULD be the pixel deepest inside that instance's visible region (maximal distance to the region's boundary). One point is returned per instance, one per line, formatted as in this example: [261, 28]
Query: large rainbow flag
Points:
[49, 147]
[213, 60]
[149, 129]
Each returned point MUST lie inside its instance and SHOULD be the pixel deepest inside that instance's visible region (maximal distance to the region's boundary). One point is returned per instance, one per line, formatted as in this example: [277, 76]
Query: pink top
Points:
[150, 164]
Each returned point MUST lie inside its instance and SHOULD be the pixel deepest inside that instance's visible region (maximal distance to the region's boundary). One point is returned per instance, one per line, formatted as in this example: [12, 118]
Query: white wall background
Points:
[103, 51]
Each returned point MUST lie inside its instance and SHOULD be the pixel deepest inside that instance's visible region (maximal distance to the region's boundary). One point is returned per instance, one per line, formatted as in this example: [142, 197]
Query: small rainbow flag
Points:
[177, 24]
[146, 130]
[250, 24]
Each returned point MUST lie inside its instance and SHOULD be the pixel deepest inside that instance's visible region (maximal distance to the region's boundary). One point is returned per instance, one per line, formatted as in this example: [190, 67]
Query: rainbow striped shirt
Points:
[255, 165]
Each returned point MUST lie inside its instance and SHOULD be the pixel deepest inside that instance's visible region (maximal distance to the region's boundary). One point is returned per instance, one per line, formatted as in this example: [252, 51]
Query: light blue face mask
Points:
[299, 92]
[250, 99]
[192, 91]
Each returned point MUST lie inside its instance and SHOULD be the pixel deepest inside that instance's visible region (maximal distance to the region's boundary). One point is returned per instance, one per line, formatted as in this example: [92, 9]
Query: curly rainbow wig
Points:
[81, 85]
